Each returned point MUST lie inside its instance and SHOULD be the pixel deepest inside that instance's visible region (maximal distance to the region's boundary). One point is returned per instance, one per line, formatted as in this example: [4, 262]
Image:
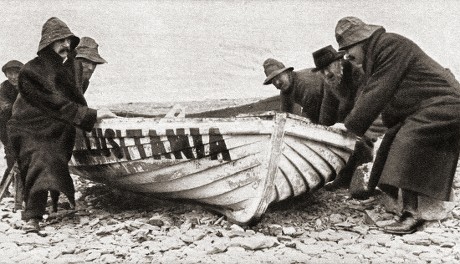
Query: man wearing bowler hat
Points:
[87, 58]
[344, 80]
[303, 87]
[420, 104]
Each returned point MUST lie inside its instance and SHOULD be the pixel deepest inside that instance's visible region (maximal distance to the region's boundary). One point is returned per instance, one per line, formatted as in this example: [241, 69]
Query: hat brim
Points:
[368, 31]
[339, 55]
[269, 78]
[96, 58]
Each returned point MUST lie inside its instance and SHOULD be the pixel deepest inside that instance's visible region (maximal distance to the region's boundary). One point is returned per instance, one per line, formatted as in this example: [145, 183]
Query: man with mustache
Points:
[344, 79]
[45, 116]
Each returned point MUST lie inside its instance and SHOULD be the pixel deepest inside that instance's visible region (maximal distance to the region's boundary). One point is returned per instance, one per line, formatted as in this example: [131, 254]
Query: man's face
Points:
[355, 54]
[282, 81]
[12, 75]
[88, 68]
[62, 47]
[333, 73]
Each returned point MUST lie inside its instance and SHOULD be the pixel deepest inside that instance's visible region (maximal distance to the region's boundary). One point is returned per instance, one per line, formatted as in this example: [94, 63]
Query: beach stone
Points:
[275, 230]
[236, 228]
[308, 240]
[311, 249]
[418, 238]
[255, 242]
[359, 185]
[170, 243]
[289, 231]
[108, 258]
[92, 255]
[156, 222]
[448, 244]
[217, 247]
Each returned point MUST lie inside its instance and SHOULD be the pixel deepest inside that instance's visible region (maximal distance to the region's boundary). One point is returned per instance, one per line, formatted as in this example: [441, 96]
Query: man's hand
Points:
[104, 113]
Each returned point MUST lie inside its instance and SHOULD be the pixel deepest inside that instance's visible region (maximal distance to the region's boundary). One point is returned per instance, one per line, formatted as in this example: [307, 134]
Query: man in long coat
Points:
[420, 104]
[319, 101]
[343, 81]
[8, 94]
[44, 118]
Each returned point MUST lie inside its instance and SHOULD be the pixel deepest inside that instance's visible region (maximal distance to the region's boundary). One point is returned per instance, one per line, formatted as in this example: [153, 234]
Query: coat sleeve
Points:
[38, 91]
[287, 104]
[5, 104]
[329, 109]
[391, 59]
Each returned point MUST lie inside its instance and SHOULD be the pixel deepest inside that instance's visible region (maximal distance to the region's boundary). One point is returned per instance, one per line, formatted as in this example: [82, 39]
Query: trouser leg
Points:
[35, 205]
[409, 200]
[18, 189]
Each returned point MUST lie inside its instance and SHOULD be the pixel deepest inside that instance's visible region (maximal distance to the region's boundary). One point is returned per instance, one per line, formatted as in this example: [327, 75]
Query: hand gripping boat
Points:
[237, 166]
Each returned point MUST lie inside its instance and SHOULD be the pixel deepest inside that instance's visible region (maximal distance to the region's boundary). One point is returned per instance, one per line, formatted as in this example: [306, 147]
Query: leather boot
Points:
[407, 224]
[31, 226]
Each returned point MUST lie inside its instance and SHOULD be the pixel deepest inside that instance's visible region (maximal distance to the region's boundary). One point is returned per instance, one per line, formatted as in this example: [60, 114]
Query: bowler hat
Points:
[272, 68]
[55, 29]
[12, 64]
[352, 30]
[325, 56]
[88, 49]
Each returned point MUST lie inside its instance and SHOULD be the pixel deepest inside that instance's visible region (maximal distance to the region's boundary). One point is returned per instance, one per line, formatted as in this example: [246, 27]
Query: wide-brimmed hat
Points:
[11, 65]
[352, 30]
[272, 68]
[325, 56]
[54, 29]
[88, 49]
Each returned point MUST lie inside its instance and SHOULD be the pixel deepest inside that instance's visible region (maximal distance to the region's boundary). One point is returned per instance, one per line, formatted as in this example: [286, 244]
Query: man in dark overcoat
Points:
[420, 104]
[343, 83]
[8, 94]
[319, 100]
[44, 118]
[303, 88]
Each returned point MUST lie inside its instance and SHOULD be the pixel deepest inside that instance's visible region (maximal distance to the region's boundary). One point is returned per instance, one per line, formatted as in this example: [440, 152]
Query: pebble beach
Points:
[115, 226]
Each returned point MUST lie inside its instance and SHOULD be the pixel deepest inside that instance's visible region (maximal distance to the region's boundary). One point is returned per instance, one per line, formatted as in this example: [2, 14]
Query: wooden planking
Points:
[316, 169]
[292, 173]
[175, 171]
[93, 157]
[328, 135]
[198, 179]
[282, 186]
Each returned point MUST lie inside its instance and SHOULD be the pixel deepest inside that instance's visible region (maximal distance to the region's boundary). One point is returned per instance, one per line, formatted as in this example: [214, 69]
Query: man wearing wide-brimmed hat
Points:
[303, 88]
[420, 104]
[87, 58]
[42, 128]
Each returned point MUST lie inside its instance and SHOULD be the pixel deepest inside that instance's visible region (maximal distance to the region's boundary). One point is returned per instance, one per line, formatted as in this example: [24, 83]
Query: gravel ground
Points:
[112, 226]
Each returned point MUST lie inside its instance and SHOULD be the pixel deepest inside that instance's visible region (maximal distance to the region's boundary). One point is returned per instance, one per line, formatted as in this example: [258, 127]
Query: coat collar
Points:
[48, 54]
[369, 49]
